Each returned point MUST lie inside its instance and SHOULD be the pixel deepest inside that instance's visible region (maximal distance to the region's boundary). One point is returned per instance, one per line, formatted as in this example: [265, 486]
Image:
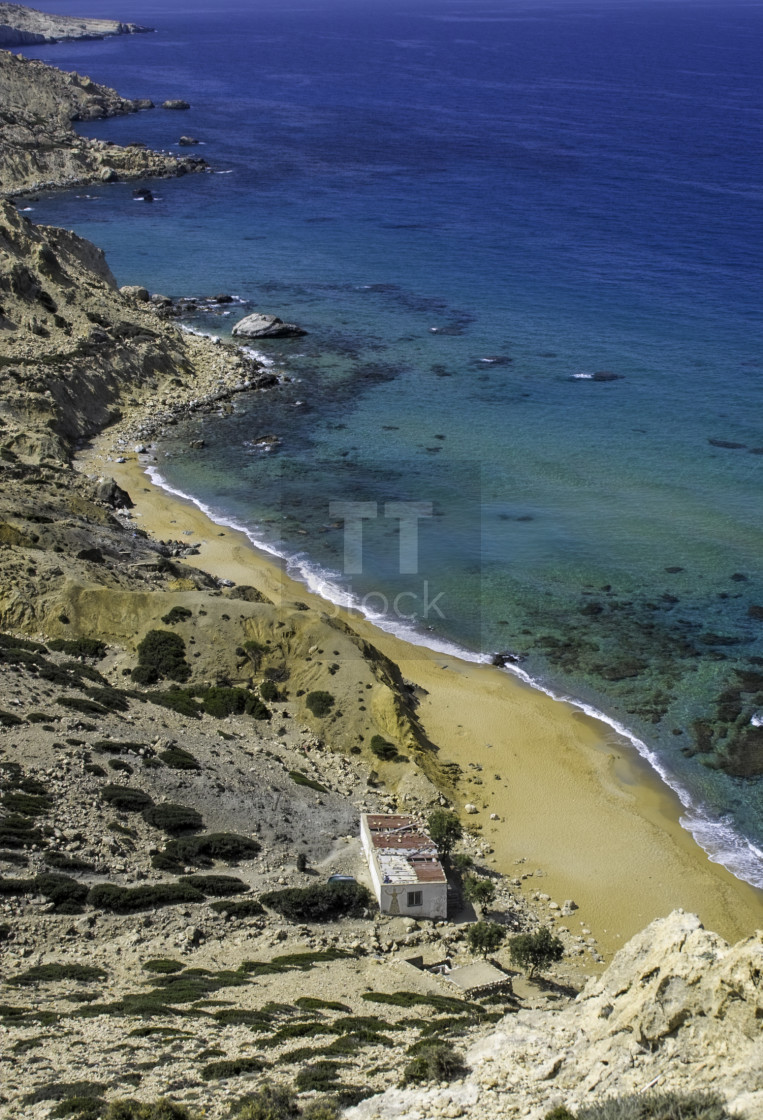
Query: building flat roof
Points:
[404, 853]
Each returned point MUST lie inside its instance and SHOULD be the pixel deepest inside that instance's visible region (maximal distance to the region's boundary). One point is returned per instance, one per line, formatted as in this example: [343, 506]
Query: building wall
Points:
[393, 897]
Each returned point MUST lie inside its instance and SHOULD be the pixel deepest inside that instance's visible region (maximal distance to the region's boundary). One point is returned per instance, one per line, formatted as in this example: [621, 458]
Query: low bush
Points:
[221, 702]
[66, 894]
[162, 1109]
[179, 759]
[52, 973]
[313, 956]
[79, 647]
[79, 704]
[269, 691]
[126, 799]
[175, 615]
[201, 851]
[16, 886]
[321, 902]
[109, 746]
[270, 1102]
[173, 818]
[163, 965]
[81, 1108]
[178, 700]
[128, 900]
[60, 1090]
[304, 1030]
[238, 1016]
[9, 719]
[26, 804]
[120, 766]
[437, 1062]
[245, 908]
[161, 655]
[313, 1003]
[219, 886]
[320, 703]
[321, 1077]
[658, 1106]
[385, 750]
[17, 831]
[446, 1004]
[303, 780]
[94, 769]
[40, 717]
[231, 1067]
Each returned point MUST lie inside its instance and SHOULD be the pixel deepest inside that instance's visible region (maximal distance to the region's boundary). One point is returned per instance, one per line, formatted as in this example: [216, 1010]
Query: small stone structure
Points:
[405, 867]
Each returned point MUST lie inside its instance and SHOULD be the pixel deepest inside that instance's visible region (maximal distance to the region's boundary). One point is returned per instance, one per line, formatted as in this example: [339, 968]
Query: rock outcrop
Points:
[266, 326]
[39, 146]
[677, 1009]
[20, 25]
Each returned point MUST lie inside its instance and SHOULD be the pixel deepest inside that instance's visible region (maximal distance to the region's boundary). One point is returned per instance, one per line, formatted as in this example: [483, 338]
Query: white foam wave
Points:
[198, 333]
[716, 836]
[583, 376]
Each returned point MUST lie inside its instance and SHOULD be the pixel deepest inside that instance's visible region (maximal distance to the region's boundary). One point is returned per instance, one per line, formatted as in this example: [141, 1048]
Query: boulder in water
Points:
[266, 326]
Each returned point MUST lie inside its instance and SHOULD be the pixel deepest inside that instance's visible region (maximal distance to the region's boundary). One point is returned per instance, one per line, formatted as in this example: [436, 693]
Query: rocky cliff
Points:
[39, 146]
[20, 25]
[678, 1009]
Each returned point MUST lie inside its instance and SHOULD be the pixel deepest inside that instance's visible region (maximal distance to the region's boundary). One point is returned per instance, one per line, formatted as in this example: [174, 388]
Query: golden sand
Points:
[576, 803]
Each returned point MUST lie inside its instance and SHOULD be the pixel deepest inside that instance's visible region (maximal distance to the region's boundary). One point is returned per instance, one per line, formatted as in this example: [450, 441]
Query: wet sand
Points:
[576, 803]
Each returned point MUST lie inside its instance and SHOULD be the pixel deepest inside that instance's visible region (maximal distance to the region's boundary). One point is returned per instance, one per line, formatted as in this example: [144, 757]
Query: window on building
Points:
[415, 898]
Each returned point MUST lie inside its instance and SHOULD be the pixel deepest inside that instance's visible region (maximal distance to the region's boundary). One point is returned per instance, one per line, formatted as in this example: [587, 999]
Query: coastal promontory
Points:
[20, 26]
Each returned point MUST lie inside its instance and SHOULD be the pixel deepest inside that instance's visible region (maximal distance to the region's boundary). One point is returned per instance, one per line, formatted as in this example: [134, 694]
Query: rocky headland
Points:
[160, 797]
[41, 150]
[20, 26]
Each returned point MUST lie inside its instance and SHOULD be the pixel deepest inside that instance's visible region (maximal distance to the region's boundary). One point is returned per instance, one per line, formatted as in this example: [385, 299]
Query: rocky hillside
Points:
[678, 1009]
[19, 25]
[39, 146]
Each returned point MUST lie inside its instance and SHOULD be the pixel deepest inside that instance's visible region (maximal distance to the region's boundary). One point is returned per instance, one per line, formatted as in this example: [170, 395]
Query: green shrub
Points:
[162, 1109]
[535, 950]
[94, 769]
[26, 804]
[128, 900]
[231, 1067]
[313, 1003]
[161, 654]
[485, 937]
[658, 1106]
[269, 691]
[86, 707]
[311, 957]
[219, 886]
[178, 700]
[60, 1090]
[9, 719]
[79, 647]
[66, 894]
[179, 759]
[385, 750]
[17, 831]
[561, 1112]
[40, 717]
[449, 1004]
[16, 886]
[162, 965]
[303, 780]
[321, 1077]
[445, 829]
[82, 1107]
[320, 703]
[120, 765]
[270, 1102]
[321, 902]
[245, 908]
[175, 615]
[126, 799]
[52, 973]
[200, 851]
[109, 746]
[221, 702]
[437, 1062]
[304, 1030]
[173, 818]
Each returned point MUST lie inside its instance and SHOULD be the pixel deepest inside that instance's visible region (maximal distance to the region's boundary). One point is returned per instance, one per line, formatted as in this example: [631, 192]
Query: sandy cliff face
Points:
[20, 25]
[40, 149]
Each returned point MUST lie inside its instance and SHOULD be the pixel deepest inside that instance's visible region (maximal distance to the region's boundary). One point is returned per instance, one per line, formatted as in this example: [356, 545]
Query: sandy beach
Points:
[576, 804]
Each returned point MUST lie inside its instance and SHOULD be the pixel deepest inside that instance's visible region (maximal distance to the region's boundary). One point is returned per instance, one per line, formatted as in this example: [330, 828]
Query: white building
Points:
[405, 867]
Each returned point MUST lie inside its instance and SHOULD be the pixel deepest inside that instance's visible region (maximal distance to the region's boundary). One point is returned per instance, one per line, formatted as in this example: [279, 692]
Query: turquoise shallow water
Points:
[560, 191]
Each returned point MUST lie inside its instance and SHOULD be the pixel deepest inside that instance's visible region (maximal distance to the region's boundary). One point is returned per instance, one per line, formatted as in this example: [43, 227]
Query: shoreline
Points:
[578, 806]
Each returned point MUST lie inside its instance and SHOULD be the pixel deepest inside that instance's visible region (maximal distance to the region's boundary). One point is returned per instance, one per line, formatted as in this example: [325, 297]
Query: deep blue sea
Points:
[525, 239]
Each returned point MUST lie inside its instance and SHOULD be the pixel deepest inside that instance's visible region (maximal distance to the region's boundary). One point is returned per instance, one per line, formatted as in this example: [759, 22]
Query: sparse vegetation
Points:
[437, 1061]
[173, 818]
[128, 900]
[175, 615]
[231, 1067]
[221, 702]
[161, 655]
[384, 750]
[216, 885]
[125, 799]
[179, 759]
[245, 908]
[303, 780]
[320, 703]
[163, 965]
[79, 647]
[66, 894]
[53, 973]
[657, 1106]
[321, 902]
[200, 851]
